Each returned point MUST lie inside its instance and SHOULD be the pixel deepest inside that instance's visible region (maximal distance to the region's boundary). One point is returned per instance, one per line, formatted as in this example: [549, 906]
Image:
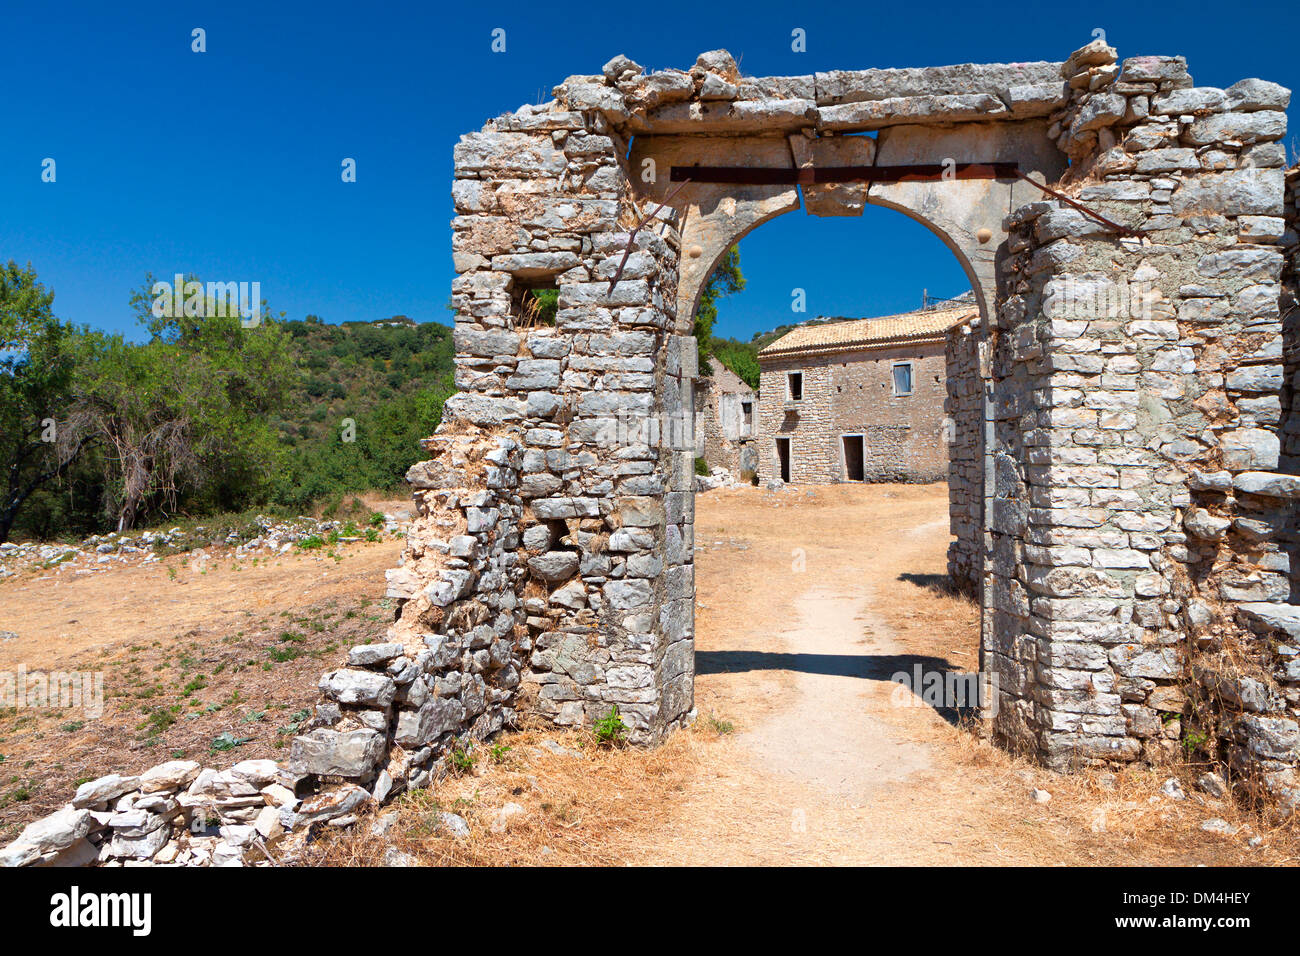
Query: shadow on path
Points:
[874, 667]
[940, 584]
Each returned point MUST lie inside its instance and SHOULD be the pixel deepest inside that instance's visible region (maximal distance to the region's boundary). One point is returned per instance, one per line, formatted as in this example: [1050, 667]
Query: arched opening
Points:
[852, 447]
[722, 188]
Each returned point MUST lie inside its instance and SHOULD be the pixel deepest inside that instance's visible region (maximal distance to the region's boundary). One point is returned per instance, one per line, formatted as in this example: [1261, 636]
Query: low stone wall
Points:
[175, 813]
[360, 751]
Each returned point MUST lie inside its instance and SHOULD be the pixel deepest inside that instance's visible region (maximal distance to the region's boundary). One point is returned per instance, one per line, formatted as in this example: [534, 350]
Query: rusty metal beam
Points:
[813, 175]
[631, 236]
[1110, 224]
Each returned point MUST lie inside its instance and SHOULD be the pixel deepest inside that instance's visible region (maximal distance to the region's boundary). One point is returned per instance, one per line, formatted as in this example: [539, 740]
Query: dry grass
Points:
[211, 648]
[706, 795]
[253, 680]
[588, 807]
[628, 807]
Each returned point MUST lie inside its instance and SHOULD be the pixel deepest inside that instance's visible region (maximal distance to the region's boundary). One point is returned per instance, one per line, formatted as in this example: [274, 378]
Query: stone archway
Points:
[1126, 388]
[965, 214]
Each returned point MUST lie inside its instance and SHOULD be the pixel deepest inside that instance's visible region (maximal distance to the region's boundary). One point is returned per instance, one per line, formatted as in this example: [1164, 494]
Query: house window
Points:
[902, 378]
[794, 384]
[747, 418]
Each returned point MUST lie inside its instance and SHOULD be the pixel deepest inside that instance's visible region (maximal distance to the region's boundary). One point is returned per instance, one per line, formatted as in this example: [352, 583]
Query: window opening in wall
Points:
[783, 458]
[534, 306]
[854, 456]
[747, 417]
[902, 378]
[794, 383]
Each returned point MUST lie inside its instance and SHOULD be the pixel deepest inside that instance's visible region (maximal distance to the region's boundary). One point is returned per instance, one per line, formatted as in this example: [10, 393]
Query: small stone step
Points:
[1282, 617]
[1269, 483]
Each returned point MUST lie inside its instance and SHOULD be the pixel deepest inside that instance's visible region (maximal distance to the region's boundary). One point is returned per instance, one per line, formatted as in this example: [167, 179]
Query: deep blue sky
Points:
[227, 163]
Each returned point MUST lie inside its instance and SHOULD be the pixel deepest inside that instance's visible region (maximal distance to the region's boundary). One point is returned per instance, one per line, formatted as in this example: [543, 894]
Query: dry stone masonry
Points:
[725, 415]
[1123, 471]
[964, 416]
[1135, 508]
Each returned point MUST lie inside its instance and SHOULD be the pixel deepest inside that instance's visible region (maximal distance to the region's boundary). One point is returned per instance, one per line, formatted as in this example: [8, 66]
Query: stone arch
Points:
[712, 217]
[560, 463]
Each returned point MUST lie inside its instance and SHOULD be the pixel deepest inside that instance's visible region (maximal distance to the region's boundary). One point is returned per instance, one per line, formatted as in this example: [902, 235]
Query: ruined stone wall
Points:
[722, 438]
[964, 431]
[1139, 424]
[853, 393]
[550, 566]
[1141, 376]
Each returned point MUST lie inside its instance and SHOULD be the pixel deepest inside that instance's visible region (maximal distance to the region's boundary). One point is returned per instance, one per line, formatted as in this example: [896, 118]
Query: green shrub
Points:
[610, 730]
[461, 759]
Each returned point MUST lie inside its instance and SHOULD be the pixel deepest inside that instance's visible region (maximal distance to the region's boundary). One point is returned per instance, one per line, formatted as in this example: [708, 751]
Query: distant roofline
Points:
[814, 328]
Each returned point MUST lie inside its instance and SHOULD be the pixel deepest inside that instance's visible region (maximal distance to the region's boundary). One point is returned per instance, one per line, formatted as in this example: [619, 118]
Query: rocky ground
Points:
[804, 752]
[261, 538]
[211, 653]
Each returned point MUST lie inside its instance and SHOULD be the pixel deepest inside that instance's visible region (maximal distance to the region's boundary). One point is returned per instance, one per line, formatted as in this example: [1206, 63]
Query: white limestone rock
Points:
[170, 776]
[106, 788]
[58, 831]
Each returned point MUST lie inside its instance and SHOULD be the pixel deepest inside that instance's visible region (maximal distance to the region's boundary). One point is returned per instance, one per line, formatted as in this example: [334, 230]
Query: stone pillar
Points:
[550, 569]
[964, 421]
[1141, 376]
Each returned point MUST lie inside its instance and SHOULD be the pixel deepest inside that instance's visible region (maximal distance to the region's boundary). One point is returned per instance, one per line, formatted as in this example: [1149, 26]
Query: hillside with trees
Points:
[208, 415]
[213, 415]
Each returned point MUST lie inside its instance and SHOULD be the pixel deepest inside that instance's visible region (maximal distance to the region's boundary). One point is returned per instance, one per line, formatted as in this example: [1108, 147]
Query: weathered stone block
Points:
[353, 753]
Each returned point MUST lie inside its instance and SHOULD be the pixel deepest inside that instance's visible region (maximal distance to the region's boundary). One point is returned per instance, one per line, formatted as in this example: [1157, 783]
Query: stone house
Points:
[725, 414]
[857, 400]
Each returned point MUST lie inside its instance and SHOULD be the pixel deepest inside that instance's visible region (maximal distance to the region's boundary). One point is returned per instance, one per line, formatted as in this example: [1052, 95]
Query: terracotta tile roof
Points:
[880, 332]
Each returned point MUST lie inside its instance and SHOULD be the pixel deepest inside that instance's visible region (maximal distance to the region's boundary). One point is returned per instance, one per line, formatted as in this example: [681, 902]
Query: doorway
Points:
[854, 457]
[783, 458]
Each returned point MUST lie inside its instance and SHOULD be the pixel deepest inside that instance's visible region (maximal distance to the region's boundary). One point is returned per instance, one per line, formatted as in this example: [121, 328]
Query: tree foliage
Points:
[384, 443]
[35, 375]
[186, 411]
[206, 415]
[740, 357]
[725, 279]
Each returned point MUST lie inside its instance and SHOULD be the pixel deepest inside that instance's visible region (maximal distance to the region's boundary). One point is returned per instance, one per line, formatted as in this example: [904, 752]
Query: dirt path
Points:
[827, 735]
[809, 602]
